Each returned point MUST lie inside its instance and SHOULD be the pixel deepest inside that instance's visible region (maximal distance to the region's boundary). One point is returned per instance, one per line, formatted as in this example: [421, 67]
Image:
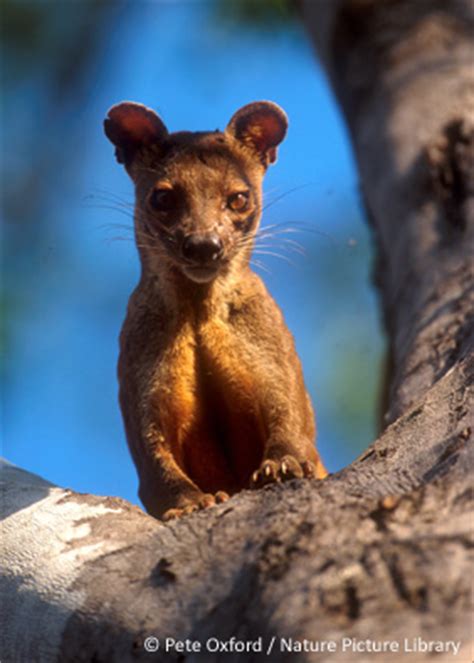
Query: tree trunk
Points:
[377, 555]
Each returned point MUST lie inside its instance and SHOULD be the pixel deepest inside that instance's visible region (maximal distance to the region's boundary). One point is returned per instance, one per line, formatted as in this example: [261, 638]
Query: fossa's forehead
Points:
[203, 154]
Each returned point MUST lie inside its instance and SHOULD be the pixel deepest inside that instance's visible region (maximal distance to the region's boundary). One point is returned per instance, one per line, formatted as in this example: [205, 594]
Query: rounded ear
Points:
[261, 126]
[130, 126]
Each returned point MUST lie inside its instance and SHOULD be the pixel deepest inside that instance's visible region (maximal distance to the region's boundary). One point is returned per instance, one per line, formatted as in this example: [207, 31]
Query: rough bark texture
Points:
[380, 550]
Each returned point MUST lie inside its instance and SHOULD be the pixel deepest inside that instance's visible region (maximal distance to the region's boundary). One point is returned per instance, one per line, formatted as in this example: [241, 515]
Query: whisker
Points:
[115, 226]
[154, 249]
[290, 245]
[111, 198]
[276, 255]
[125, 212]
[283, 244]
[301, 228]
[118, 238]
[277, 242]
[139, 214]
[271, 191]
[286, 193]
[259, 264]
[141, 235]
[107, 192]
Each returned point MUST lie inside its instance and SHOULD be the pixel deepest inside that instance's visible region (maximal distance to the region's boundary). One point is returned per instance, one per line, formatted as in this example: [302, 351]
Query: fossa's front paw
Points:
[202, 502]
[274, 471]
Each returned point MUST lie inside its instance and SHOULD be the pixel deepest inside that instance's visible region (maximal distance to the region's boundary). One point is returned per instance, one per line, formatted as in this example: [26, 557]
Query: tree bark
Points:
[378, 551]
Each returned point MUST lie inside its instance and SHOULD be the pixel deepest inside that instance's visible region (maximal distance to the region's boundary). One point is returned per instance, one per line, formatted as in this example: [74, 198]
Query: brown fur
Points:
[211, 388]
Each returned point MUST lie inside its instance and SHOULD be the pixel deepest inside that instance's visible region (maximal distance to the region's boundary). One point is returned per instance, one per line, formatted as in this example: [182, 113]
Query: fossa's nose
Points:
[202, 249]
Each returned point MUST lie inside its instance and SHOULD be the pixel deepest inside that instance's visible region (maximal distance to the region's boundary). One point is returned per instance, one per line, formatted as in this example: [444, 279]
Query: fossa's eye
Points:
[239, 201]
[163, 200]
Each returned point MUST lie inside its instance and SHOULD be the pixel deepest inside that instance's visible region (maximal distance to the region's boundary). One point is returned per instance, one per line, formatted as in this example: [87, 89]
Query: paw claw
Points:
[309, 469]
[202, 502]
[190, 509]
[171, 514]
[206, 501]
[287, 468]
[221, 496]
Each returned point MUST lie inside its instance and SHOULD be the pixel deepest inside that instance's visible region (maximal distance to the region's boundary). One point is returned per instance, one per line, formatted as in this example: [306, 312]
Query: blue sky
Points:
[62, 419]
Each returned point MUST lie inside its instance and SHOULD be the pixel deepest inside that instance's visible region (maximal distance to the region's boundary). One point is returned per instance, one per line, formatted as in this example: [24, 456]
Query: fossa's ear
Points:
[261, 126]
[130, 126]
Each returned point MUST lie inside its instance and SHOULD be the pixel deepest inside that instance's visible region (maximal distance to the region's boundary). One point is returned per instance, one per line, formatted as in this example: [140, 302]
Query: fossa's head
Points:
[198, 194]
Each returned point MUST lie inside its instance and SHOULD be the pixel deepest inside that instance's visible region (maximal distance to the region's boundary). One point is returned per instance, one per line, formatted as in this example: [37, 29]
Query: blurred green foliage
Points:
[259, 14]
[56, 37]
[47, 45]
